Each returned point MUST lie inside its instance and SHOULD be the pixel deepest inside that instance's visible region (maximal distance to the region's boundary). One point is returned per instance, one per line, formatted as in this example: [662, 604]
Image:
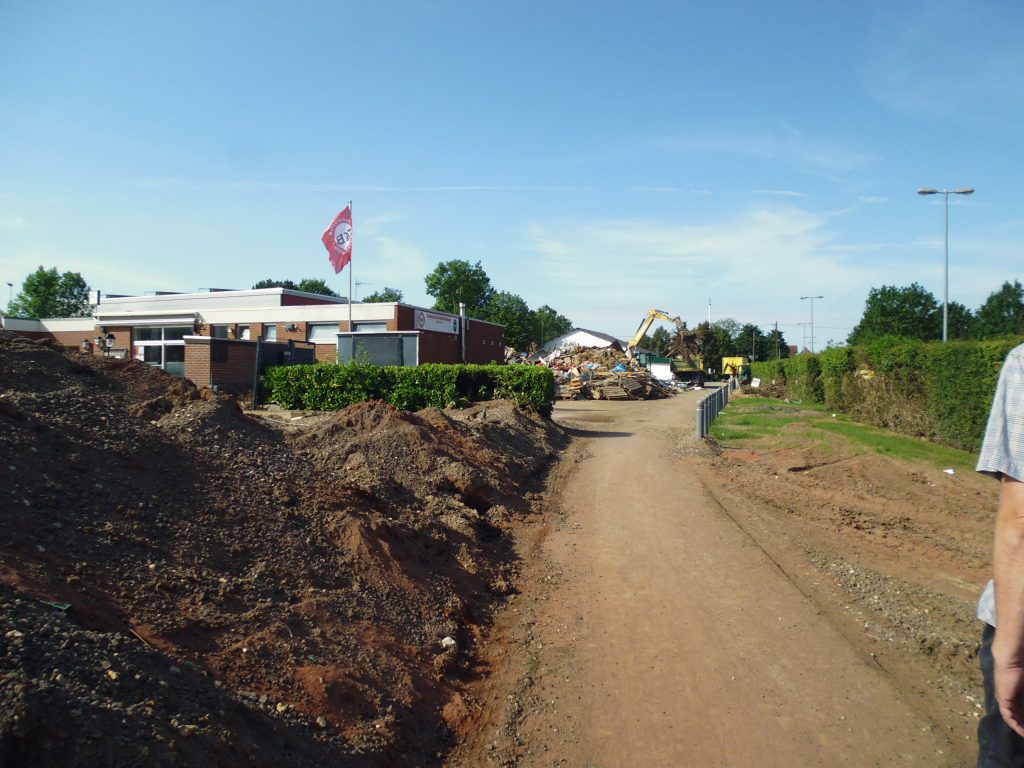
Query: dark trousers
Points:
[998, 746]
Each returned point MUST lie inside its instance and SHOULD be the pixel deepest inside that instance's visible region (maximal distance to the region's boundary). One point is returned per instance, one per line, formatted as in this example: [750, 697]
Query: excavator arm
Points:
[645, 325]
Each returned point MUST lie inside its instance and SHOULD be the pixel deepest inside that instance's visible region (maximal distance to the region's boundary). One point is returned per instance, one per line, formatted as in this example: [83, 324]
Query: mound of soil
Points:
[186, 585]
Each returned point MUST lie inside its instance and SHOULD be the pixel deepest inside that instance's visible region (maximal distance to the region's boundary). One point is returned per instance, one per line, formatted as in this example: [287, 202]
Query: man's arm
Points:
[1008, 563]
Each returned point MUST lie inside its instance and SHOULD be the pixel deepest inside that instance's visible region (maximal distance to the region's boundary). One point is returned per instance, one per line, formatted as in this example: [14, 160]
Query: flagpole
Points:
[351, 252]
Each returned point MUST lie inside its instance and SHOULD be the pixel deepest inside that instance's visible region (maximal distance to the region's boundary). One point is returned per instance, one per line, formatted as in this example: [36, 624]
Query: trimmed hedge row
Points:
[328, 387]
[928, 389]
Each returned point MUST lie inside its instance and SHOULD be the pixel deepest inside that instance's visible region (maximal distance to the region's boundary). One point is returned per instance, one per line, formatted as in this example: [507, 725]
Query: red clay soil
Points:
[181, 584]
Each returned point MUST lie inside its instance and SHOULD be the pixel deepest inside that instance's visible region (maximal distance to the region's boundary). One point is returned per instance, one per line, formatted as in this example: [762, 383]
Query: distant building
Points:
[581, 337]
[187, 334]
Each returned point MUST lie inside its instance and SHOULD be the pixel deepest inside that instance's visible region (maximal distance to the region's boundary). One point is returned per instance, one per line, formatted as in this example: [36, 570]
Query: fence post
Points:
[700, 419]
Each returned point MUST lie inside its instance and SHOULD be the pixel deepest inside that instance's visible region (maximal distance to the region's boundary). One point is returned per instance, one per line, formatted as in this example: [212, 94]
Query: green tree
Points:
[550, 324]
[751, 342]
[457, 281]
[1002, 313]
[268, 283]
[961, 321]
[660, 341]
[719, 340]
[514, 313]
[890, 311]
[306, 284]
[384, 296]
[48, 293]
[775, 344]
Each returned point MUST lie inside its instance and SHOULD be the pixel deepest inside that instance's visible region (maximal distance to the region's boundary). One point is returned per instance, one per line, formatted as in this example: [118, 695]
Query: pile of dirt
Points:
[183, 584]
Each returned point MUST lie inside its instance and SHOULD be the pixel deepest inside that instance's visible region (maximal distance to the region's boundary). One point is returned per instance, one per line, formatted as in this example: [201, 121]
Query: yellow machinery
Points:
[645, 326]
[736, 366]
[687, 363]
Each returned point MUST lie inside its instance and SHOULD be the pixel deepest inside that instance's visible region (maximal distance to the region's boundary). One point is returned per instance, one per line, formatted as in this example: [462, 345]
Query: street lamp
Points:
[945, 269]
[812, 298]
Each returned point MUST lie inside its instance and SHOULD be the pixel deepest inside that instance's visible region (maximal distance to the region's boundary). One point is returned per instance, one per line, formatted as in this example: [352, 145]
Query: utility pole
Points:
[778, 342]
[803, 345]
[812, 298]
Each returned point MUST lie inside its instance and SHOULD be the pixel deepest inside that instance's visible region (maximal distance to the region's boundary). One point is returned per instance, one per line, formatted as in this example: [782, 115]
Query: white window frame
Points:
[322, 333]
[139, 346]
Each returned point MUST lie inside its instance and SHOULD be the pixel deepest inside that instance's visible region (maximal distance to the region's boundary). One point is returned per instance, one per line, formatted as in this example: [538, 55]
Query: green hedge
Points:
[929, 389]
[328, 387]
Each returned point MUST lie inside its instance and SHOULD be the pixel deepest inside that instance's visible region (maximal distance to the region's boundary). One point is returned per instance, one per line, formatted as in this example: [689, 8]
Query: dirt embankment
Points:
[185, 585]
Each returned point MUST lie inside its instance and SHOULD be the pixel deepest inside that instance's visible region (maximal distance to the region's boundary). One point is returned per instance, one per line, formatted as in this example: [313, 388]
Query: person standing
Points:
[1001, 729]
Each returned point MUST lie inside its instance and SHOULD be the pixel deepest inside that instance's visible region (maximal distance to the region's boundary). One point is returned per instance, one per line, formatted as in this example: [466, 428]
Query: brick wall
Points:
[197, 361]
[229, 364]
[439, 347]
[485, 343]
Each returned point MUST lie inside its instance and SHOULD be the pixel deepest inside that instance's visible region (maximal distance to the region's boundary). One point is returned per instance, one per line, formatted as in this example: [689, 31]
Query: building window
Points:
[243, 332]
[270, 332]
[370, 327]
[162, 346]
[322, 333]
[219, 331]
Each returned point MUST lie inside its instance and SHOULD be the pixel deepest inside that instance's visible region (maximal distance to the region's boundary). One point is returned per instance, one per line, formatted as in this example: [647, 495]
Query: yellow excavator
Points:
[685, 347]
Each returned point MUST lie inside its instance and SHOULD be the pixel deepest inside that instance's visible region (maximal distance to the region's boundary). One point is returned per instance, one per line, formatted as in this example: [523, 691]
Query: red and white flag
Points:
[338, 239]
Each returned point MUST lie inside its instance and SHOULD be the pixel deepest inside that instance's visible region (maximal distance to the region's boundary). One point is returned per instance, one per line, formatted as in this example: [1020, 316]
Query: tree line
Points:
[457, 281]
[914, 313]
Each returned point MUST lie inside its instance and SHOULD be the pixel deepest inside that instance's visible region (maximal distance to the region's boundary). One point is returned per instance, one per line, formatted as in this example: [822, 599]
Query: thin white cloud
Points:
[784, 144]
[374, 224]
[608, 272]
[778, 193]
[12, 221]
[177, 183]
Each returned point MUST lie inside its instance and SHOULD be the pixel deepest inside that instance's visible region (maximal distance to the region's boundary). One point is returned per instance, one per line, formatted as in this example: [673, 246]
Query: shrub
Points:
[333, 386]
[942, 391]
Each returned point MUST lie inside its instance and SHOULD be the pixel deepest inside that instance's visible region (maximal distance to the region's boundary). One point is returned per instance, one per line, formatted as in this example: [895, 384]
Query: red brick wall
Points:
[439, 347]
[485, 343]
[227, 364]
[197, 362]
[122, 339]
[235, 373]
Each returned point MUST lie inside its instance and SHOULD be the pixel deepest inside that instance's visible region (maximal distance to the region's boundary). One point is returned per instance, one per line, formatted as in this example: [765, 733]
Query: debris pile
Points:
[604, 373]
[183, 584]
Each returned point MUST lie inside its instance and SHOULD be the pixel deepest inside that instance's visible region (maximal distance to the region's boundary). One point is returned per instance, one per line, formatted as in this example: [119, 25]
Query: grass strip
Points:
[767, 424]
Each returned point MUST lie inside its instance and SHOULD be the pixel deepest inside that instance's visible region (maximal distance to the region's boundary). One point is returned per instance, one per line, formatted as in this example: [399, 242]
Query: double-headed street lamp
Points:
[945, 270]
[812, 298]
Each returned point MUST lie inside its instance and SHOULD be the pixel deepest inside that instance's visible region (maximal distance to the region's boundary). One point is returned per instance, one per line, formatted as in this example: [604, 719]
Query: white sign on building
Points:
[432, 321]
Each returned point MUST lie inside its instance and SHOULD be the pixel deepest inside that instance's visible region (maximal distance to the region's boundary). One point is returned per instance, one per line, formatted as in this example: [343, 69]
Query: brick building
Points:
[186, 334]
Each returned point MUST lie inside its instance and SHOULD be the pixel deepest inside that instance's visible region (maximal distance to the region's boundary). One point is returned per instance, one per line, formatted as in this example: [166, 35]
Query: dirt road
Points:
[661, 634]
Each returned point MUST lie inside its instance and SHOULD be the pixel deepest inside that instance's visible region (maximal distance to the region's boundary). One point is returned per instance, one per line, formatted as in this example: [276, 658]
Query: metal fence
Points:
[712, 404]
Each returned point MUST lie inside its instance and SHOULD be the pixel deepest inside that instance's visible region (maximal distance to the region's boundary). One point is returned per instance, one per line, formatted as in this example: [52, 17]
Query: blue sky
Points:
[600, 157]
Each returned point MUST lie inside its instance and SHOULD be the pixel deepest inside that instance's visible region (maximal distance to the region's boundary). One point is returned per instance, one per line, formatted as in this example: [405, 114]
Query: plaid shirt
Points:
[1002, 452]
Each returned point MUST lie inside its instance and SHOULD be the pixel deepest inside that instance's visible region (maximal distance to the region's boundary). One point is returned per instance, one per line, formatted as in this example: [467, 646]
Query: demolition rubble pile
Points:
[182, 584]
[603, 373]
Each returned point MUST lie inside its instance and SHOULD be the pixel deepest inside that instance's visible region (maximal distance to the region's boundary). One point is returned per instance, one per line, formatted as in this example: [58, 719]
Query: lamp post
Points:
[812, 298]
[945, 265]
